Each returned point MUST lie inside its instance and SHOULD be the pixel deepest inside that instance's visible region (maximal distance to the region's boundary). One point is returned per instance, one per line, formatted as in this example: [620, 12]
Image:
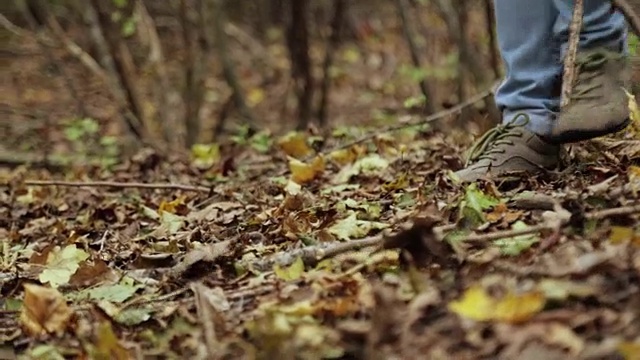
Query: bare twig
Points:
[493, 47]
[619, 211]
[568, 77]
[313, 254]
[119, 185]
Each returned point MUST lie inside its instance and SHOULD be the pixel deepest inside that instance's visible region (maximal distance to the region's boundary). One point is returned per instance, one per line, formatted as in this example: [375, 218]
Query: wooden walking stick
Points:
[569, 75]
[629, 8]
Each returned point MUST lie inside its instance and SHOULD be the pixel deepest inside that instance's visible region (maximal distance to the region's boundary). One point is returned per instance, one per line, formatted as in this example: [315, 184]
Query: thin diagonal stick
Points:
[569, 75]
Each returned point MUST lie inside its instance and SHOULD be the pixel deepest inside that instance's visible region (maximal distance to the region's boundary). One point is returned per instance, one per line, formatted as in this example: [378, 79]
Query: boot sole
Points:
[577, 136]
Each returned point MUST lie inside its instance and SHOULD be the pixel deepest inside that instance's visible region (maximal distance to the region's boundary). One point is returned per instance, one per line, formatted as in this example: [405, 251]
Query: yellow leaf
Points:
[171, 206]
[255, 96]
[44, 310]
[295, 144]
[108, 346]
[291, 272]
[634, 112]
[620, 234]
[303, 173]
[629, 350]
[634, 173]
[476, 304]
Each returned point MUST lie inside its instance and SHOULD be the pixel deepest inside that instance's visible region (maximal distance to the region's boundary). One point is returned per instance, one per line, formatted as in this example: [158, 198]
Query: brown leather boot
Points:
[509, 148]
[598, 105]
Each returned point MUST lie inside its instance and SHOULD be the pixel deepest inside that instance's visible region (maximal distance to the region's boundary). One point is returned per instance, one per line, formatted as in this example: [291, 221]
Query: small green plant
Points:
[87, 143]
[260, 141]
[633, 43]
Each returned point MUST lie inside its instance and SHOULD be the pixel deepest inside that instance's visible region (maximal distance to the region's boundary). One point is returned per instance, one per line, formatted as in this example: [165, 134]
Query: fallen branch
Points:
[119, 185]
[312, 254]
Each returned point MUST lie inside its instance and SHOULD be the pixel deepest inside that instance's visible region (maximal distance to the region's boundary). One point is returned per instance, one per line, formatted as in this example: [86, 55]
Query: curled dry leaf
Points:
[44, 310]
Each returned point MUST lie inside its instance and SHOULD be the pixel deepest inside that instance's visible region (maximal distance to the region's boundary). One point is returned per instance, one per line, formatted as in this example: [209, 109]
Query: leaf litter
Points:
[368, 251]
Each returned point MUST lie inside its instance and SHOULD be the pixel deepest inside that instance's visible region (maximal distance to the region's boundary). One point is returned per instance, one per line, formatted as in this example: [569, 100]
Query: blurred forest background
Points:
[101, 78]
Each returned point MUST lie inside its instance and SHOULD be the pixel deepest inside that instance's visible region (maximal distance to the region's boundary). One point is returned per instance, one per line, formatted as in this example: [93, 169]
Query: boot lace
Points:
[589, 68]
[489, 144]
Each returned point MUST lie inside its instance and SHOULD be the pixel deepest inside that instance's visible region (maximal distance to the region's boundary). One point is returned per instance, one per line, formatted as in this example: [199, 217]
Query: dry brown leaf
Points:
[44, 310]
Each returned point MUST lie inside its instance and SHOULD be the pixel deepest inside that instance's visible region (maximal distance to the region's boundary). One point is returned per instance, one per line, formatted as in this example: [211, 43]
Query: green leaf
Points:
[120, 3]
[12, 304]
[172, 222]
[261, 142]
[128, 27]
[414, 101]
[477, 200]
[45, 352]
[114, 293]
[350, 227]
[129, 316]
[475, 203]
[133, 316]
[61, 265]
[516, 245]
[205, 155]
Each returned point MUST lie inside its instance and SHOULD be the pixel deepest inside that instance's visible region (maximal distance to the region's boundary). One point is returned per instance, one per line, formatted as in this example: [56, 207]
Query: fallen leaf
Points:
[369, 165]
[128, 316]
[475, 203]
[477, 304]
[44, 310]
[291, 272]
[303, 173]
[45, 352]
[61, 265]
[557, 289]
[629, 350]
[176, 206]
[108, 346]
[294, 144]
[114, 292]
[620, 234]
[350, 227]
[514, 246]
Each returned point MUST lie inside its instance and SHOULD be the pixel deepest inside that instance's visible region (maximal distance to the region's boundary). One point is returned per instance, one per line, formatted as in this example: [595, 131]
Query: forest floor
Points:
[300, 246]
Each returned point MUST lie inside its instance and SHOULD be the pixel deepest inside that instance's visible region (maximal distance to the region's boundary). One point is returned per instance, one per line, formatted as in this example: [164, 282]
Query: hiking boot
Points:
[509, 148]
[598, 104]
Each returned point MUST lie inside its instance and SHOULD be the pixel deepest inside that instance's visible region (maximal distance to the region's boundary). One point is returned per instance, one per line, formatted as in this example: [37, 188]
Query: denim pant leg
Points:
[526, 39]
[602, 27]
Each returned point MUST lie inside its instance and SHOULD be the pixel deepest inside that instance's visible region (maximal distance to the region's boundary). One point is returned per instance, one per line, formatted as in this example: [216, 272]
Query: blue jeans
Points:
[532, 36]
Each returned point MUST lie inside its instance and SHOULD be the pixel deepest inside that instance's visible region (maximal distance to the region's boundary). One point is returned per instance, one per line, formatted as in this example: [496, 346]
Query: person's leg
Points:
[601, 27]
[528, 92]
[530, 54]
[598, 105]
